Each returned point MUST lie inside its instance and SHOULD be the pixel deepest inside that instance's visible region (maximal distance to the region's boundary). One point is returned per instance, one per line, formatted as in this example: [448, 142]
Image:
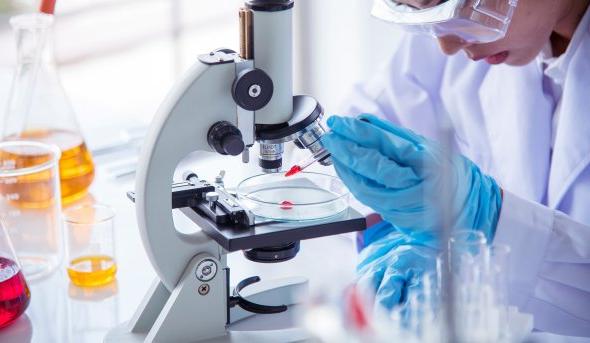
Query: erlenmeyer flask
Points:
[38, 108]
[14, 292]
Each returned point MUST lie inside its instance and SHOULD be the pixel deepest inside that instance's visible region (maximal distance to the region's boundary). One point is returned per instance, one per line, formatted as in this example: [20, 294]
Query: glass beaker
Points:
[30, 204]
[465, 249]
[14, 291]
[92, 312]
[38, 108]
[90, 244]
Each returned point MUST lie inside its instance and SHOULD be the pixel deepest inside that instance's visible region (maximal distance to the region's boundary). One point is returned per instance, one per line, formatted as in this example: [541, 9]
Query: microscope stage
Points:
[273, 233]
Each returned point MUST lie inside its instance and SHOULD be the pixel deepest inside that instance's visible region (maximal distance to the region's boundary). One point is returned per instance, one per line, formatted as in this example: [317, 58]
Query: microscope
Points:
[225, 103]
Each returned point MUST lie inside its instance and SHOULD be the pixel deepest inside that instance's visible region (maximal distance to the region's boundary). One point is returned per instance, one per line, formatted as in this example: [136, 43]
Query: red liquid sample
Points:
[14, 292]
[356, 310]
[286, 205]
[294, 170]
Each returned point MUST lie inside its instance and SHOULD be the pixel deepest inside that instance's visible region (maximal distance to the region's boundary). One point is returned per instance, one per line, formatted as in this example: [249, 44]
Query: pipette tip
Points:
[47, 6]
[294, 170]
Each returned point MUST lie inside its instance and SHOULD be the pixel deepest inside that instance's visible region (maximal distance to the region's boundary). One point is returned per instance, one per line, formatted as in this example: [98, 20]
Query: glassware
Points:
[465, 249]
[496, 271]
[304, 196]
[38, 108]
[14, 291]
[90, 244]
[91, 312]
[30, 204]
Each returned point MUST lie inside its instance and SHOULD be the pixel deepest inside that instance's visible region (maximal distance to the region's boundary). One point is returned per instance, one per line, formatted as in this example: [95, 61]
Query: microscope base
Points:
[285, 291]
[121, 334]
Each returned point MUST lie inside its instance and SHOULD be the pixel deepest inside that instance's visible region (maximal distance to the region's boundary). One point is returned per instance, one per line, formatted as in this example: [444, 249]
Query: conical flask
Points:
[38, 108]
[14, 291]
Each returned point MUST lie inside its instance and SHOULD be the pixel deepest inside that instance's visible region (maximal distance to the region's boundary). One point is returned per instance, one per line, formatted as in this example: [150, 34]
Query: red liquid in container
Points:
[14, 292]
[286, 205]
[294, 170]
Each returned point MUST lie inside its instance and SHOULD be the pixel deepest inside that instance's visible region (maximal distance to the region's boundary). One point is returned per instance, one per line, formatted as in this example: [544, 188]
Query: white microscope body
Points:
[225, 103]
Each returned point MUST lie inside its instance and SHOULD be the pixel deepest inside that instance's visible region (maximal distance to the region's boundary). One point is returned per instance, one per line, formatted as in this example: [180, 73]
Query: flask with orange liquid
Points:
[39, 110]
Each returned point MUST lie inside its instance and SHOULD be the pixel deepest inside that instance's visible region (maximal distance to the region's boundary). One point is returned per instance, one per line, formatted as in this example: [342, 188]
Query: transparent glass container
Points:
[38, 108]
[304, 196]
[30, 204]
[14, 291]
[90, 245]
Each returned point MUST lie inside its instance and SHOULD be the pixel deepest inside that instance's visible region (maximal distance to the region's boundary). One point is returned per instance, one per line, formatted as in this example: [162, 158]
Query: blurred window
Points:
[118, 58]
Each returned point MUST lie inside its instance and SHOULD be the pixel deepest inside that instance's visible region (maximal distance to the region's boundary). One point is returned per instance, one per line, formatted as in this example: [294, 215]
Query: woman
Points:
[518, 106]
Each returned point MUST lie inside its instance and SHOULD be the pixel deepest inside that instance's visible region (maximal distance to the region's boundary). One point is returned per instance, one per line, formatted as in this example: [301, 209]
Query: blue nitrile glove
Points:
[373, 233]
[393, 265]
[398, 174]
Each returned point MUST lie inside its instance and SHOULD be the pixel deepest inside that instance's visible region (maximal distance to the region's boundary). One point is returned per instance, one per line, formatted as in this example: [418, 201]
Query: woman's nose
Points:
[450, 45]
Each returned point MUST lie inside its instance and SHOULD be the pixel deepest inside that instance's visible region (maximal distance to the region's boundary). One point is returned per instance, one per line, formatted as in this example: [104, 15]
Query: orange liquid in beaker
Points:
[92, 270]
[76, 169]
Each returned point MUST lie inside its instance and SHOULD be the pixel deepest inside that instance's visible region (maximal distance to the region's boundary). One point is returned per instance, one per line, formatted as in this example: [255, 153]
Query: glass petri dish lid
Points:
[305, 196]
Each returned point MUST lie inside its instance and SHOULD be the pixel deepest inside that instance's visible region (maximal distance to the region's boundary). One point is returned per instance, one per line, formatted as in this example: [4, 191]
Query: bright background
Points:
[118, 58]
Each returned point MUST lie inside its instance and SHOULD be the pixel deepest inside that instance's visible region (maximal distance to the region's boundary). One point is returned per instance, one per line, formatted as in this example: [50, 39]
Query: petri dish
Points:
[305, 196]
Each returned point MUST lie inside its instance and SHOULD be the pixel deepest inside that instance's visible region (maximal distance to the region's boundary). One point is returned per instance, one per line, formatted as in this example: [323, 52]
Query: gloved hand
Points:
[398, 174]
[394, 264]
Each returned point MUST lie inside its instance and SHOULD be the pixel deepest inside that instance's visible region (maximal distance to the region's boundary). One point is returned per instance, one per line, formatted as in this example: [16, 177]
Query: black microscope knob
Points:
[252, 89]
[225, 138]
[232, 145]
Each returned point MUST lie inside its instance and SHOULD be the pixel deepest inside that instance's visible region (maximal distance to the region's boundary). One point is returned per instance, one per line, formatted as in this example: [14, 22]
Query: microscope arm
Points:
[180, 127]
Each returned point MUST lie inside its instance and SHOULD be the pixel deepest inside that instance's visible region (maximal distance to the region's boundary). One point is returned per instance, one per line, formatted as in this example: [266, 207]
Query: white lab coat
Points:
[502, 120]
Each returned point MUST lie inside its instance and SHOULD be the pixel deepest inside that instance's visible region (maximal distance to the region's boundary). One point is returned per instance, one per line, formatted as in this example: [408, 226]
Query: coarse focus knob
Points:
[225, 138]
[252, 89]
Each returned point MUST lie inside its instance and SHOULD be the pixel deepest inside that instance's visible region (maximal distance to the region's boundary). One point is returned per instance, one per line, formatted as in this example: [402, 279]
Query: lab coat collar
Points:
[571, 154]
[556, 67]
[518, 124]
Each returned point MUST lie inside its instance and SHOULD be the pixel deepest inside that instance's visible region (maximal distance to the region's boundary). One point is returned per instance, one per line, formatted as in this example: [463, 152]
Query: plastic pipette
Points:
[318, 156]
[47, 6]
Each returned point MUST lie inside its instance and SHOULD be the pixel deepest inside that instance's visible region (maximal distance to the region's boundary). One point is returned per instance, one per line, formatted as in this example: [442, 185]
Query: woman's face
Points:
[530, 29]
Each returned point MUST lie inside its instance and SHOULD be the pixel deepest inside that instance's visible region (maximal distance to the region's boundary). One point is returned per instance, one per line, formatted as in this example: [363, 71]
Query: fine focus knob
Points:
[232, 145]
[225, 138]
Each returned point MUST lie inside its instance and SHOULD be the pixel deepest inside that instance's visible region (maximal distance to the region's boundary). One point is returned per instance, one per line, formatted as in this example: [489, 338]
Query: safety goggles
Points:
[474, 21]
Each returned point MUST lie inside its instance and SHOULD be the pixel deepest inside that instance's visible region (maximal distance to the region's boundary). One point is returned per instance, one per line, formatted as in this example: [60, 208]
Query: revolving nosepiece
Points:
[305, 128]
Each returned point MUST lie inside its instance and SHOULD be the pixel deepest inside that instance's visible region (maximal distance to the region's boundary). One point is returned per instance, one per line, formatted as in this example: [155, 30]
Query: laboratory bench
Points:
[62, 312]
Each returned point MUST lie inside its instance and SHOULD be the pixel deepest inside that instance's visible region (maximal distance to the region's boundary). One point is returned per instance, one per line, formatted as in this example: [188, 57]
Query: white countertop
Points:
[62, 312]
